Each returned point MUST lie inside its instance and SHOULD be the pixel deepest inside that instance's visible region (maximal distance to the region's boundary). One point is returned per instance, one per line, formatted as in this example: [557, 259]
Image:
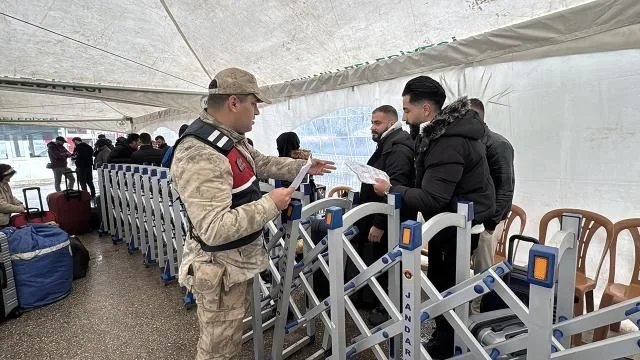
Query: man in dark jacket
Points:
[58, 156]
[123, 150]
[500, 158]
[451, 166]
[393, 155]
[147, 155]
[83, 155]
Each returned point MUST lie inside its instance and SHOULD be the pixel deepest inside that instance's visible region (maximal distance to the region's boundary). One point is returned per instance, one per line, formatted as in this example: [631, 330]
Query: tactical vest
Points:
[246, 186]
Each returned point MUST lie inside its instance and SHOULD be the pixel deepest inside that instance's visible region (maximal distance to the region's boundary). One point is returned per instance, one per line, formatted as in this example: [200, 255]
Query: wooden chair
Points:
[341, 191]
[615, 293]
[585, 285]
[501, 248]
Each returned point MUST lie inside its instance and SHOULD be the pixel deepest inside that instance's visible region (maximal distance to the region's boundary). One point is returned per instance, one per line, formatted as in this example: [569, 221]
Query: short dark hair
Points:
[133, 137]
[77, 139]
[159, 137]
[477, 106]
[145, 138]
[250, 141]
[102, 136]
[60, 138]
[425, 88]
[387, 109]
[215, 101]
[182, 129]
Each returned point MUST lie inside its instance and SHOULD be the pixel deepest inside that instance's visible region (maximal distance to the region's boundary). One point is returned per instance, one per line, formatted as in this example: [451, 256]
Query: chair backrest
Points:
[340, 191]
[633, 226]
[591, 223]
[516, 212]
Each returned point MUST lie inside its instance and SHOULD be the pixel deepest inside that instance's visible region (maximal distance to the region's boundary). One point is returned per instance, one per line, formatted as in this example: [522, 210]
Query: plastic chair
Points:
[501, 248]
[341, 191]
[585, 285]
[615, 293]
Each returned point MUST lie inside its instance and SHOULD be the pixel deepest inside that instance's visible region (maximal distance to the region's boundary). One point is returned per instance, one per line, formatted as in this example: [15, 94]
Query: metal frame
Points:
[104, 193]
[339, 291]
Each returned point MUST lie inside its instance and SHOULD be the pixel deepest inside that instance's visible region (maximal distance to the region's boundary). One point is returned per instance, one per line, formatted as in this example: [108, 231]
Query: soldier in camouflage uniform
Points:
[206, 180]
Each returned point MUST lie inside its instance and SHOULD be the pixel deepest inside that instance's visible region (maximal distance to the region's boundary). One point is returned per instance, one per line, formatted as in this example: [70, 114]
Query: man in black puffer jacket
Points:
[121, 154]
[500, 158]
[147, 154]
[451, 166]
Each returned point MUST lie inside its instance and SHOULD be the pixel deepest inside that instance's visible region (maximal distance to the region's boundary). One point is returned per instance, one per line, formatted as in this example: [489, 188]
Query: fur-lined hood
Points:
[456, 120]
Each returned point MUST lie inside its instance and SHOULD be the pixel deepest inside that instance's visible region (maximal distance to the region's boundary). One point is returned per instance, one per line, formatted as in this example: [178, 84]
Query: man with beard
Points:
[393, 155]
[451, 166]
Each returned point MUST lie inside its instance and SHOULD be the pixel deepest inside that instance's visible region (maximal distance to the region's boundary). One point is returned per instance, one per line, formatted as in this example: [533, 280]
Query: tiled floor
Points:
[120, 311]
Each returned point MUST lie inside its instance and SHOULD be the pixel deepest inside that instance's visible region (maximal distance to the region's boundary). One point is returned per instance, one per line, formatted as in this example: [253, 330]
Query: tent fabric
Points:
[174, 46]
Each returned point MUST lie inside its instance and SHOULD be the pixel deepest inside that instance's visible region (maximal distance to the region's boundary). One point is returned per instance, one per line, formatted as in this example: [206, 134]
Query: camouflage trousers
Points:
[220, 313]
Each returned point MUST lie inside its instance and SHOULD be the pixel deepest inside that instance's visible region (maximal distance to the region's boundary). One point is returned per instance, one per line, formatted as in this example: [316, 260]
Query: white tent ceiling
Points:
[135, 58]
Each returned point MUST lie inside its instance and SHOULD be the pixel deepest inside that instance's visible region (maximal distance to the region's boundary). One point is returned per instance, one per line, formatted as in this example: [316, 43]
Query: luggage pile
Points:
[39, 258]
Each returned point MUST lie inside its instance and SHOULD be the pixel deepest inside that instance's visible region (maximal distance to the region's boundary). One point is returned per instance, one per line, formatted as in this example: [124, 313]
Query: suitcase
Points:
[494, 330]
[32, 215]
[80, 258]
[72, 209]
[8, 295]
[516, 279]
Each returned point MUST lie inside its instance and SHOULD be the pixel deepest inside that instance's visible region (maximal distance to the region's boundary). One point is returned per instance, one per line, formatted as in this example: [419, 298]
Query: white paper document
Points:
[365, 173]
[298, 180]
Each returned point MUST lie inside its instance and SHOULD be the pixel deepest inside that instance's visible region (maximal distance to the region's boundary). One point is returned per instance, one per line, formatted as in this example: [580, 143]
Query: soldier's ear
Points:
[233, 103]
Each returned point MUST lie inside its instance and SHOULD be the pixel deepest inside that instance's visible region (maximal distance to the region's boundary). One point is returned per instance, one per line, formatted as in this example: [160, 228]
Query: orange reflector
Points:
[540, 266]
[406, 236]
[329, 218]
[290, 211]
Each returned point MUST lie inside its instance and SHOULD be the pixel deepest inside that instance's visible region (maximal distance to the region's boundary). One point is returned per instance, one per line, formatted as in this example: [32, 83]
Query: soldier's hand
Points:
[281, 197]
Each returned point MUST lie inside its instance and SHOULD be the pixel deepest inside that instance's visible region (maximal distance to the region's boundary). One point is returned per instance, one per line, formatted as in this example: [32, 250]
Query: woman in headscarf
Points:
[8, 203]
[289, 146]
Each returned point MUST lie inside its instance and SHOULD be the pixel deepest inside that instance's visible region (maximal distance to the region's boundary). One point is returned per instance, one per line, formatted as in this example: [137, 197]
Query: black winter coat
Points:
[121, 155]
[393, 155]
[500, 159]
[83, 155]
[451, 166]
[147, 155]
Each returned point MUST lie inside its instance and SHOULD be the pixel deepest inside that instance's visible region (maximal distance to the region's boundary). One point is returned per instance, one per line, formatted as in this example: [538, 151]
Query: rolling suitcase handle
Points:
[512, 239]
[32, 212]
[71, 193]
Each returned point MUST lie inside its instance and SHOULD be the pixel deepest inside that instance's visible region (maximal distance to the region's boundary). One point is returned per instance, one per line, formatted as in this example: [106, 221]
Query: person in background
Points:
[250, 142]
[103, 150]
[102, 140]
[9, 204]
[58, 156]
[451, 166]
[169, 153]
[120, 141]
[147, 154]
[83, 156]
[162, 144]
[288, 145]
[123, 151]
[500, 156]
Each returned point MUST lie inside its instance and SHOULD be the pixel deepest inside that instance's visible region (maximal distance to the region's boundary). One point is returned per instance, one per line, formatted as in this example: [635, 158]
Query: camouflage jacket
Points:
[203, 179]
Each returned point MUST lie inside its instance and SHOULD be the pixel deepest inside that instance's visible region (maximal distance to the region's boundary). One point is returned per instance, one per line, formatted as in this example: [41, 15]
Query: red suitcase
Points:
[72, 209]
[32, 215]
